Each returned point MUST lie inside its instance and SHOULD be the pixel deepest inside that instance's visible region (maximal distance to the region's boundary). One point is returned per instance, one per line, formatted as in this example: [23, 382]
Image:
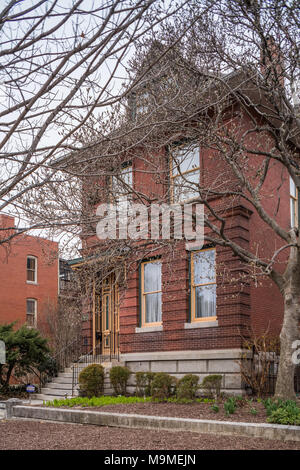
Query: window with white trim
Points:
[31, 269]
[151, 308]
[203, 285]
[121, 188]
[293, 204]
[31, 312]
[184, 172]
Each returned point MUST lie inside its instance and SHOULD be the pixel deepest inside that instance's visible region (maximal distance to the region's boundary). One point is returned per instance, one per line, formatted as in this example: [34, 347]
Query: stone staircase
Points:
[61, 386]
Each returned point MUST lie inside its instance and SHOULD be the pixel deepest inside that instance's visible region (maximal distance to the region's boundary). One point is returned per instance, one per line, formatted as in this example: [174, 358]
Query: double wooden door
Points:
[107, 318]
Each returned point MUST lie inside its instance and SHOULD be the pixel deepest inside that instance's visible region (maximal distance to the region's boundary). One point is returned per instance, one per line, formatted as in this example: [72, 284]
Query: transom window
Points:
[151, 293]
[31, 269]
[203, 285]
[31, 312]
[293, 204]
[185, 172]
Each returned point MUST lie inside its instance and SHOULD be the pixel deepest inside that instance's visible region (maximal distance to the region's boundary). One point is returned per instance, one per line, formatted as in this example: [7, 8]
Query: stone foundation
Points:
[180, 363]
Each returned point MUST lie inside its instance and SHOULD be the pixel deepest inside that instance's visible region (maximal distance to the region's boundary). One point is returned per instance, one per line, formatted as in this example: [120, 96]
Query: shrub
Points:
[141, 382]
[285, 415]
[91, 381]
[230, 406]
[282, 412]
[215, 408]
[119, 377]
[187, 387]
[256, 367]
[161, 387]
[212, 385]
[149, 379]
[26, 353]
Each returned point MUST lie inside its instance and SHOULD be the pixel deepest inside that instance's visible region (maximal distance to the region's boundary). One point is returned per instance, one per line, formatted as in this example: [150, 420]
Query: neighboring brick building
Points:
[187, 311]
[28, 277]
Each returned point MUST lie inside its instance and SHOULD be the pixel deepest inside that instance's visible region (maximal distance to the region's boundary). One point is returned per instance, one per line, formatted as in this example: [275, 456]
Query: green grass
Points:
[108, 400]
[95, 401]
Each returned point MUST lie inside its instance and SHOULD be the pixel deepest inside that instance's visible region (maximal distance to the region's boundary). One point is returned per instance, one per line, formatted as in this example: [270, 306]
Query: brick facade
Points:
[244, 305]
[14, 288]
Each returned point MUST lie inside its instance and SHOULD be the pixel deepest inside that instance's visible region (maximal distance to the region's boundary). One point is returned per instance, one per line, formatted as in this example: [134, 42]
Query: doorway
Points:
[107, 318]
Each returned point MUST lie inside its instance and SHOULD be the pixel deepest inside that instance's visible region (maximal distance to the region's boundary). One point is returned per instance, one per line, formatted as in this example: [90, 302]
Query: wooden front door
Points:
[107, 318]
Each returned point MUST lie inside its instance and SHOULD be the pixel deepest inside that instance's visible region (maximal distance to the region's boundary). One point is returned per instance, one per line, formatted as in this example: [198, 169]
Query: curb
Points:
[257, 430]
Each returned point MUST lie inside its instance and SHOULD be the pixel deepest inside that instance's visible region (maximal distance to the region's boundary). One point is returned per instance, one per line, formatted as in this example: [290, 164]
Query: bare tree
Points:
[204, 77]
[60, 63]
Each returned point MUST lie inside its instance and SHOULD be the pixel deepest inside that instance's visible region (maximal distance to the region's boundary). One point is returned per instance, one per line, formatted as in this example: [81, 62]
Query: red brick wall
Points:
[244, 304]
[233, 304]
[14, 290]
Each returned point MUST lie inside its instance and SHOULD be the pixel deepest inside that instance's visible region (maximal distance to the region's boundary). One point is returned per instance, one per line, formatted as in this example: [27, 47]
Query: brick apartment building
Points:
[187, 311]
[28, 276]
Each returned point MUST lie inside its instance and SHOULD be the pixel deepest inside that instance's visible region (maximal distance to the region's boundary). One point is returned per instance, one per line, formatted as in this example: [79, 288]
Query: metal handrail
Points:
[91, 358]
[64, 358]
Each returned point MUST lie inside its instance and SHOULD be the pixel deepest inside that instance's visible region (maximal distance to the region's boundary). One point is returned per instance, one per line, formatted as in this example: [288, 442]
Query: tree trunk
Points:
[289, 334]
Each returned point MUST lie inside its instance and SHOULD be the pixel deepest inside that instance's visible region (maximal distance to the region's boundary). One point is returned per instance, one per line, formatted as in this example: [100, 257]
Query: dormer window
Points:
[142, 103]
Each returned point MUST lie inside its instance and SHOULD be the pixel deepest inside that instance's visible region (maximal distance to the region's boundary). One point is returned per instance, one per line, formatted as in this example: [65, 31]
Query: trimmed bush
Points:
[212, 385]
[187, 387]
[162, 386]
[140, 386]
[119, 377]
[143, 383]
[91, 381]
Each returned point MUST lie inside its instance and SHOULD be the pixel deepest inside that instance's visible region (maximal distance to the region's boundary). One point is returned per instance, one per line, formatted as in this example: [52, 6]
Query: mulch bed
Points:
[39, 435]
[179, 410]
[191, 410]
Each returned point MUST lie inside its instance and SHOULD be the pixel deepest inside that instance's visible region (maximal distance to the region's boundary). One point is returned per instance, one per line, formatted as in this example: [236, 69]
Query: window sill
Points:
[201, 324]
[149, 329]
[32, 283]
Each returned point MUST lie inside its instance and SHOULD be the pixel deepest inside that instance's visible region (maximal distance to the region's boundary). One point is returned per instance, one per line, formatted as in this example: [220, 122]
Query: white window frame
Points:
[33, 314]
[176, 172]
[35, 269]
[294, 198]
[144, 294]
[202, 284]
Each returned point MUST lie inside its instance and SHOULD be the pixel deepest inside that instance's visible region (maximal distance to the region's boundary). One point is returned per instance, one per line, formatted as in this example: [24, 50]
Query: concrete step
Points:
[41, 396]
[61, 386]
[55, 391]
[62, 380]
[64, 375]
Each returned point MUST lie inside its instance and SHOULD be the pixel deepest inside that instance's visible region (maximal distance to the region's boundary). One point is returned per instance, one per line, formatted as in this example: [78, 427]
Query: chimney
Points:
[271, 62]
[7, 226]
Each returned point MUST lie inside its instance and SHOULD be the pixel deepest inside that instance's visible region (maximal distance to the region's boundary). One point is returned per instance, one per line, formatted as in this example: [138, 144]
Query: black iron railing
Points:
[96, 356]
[63, 359]
[266, 372]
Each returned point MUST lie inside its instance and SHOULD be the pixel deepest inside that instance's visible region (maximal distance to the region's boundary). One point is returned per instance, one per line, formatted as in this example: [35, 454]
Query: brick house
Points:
[188, 310]
[28, 275]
